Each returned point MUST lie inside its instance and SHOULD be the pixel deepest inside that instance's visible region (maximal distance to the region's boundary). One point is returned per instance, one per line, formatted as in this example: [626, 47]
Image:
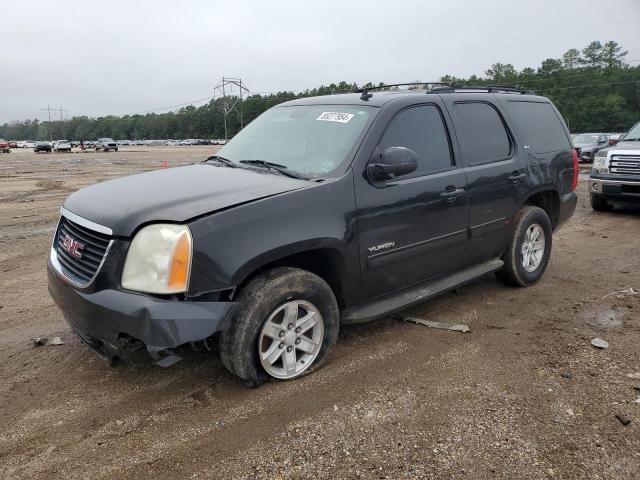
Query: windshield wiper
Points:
[224, 161]
[283, 170]
[631, 140]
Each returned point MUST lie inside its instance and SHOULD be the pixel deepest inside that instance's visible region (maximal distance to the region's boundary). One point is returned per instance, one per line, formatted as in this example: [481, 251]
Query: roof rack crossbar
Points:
[412, 84]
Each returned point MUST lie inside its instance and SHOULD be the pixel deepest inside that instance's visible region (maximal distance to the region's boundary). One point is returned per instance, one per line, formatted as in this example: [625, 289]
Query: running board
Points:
[388, 305]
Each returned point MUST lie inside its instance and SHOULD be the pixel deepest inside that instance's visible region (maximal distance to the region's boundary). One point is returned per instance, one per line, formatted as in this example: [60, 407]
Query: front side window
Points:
[422, 130]
[483, 137]
[312, 140]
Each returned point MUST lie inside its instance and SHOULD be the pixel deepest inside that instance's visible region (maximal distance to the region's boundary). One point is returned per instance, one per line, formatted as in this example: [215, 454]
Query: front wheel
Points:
[286, 323]
[527, 256]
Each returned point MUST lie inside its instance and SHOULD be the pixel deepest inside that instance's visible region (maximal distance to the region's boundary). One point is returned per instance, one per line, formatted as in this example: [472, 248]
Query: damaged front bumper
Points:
[104, 318]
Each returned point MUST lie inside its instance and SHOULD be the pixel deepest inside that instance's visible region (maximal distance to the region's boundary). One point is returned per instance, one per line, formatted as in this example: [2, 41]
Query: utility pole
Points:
[48, 109]
[230, 101]
[62, 120]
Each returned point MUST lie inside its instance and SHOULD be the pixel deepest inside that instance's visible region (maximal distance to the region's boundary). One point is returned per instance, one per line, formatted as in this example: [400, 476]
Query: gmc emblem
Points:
[72, 246]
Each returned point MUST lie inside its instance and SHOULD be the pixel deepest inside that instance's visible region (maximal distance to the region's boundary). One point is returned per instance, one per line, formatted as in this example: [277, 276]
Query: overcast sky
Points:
[117, 57]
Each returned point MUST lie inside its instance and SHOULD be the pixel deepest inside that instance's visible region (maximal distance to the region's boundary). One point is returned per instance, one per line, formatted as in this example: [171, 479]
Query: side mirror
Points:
[392, 162]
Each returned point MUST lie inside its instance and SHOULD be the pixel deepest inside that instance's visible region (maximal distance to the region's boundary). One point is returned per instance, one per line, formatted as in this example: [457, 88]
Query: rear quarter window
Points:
[538, 125]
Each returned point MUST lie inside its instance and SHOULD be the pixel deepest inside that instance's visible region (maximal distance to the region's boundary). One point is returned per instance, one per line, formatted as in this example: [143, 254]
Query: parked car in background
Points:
[106, 144]
[61, 146]
[4, 146]
[323, 211]
[13, 144]
[588, 144]
[42, 147]
[614, 138]
[615, 176]
[29, 144]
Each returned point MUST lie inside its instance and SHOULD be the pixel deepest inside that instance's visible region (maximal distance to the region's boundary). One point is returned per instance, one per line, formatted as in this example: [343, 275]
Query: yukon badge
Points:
[382, 246]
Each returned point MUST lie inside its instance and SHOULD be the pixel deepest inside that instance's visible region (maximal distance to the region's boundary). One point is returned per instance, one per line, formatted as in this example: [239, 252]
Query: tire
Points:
[258, 302]
[600, 204]
[528, 221]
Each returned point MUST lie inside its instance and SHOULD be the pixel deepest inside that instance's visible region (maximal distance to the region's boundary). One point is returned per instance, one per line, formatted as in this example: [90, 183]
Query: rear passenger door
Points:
[412, 228]
[496, 174]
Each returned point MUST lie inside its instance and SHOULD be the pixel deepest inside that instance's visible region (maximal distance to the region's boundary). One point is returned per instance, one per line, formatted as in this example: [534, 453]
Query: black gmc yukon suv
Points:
[322, 211]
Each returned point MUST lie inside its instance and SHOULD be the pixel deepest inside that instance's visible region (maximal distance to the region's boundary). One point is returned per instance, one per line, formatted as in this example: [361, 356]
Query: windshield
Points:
[312, 140]
[585, 139]
[633, 134]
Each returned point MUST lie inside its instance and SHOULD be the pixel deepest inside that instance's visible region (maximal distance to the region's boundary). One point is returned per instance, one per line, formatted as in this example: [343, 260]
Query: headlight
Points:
[600, 162]
[159, 260]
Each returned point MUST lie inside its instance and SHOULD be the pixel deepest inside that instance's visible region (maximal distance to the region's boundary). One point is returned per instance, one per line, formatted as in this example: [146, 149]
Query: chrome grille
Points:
[629, 164]
[80, 250]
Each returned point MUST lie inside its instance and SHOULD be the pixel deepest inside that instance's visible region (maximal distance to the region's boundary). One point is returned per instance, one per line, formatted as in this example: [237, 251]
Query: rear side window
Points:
[422, 130]
[482, 134]
[538, 125]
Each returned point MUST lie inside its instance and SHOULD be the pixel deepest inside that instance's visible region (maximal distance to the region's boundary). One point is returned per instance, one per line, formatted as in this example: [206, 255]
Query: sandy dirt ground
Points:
[523, 395]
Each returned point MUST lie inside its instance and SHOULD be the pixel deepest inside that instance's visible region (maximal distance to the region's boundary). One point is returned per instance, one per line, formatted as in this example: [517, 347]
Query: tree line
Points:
[595, 89]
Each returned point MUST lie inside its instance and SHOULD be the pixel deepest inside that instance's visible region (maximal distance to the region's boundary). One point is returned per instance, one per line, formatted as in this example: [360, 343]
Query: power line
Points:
[189, 102]
[589, 85]
[470, 47]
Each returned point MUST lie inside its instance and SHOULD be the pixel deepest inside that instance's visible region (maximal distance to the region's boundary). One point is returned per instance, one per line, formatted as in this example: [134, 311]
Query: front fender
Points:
[230, 245]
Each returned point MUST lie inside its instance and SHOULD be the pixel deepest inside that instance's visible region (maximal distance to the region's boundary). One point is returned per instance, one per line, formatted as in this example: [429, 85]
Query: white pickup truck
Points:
[615, 177]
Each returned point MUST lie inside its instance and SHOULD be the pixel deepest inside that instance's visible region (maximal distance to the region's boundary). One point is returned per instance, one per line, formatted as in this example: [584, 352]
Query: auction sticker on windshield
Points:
[335, 117]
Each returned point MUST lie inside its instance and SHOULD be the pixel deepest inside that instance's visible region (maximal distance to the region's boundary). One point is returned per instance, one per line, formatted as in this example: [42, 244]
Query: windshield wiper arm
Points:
[225, 161]
[631, 140]
[283, 170]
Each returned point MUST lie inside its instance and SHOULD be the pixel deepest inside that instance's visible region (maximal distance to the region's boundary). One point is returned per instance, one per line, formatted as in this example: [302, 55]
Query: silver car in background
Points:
[106, 144]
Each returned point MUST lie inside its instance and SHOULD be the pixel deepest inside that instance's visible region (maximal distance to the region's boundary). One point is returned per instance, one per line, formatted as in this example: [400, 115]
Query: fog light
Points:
[596, 187]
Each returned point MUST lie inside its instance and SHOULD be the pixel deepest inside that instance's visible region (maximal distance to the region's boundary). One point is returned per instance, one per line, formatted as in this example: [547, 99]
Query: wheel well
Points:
[549, 201]
[323, 262]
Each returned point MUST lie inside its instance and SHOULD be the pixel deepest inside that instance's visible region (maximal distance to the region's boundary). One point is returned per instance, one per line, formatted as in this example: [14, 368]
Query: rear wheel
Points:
[286, 323]
[527, 256]
[600, 204]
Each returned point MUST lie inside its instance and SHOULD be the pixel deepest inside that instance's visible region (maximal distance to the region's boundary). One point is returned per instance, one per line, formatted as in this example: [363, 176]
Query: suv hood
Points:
[173, 195]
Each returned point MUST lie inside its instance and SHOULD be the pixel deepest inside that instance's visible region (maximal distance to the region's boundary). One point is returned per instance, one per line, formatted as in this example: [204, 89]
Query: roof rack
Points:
[483, 88]
[441, 87]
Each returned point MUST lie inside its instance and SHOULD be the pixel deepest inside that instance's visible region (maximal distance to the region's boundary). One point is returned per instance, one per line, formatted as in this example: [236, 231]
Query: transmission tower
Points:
[231, 91]
[49, 110]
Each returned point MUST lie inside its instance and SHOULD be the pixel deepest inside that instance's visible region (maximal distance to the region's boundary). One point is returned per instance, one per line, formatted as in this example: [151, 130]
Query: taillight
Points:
[576, 170]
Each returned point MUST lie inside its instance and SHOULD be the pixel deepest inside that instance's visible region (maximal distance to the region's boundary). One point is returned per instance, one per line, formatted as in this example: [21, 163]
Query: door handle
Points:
[516, 176]
[451, 193]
